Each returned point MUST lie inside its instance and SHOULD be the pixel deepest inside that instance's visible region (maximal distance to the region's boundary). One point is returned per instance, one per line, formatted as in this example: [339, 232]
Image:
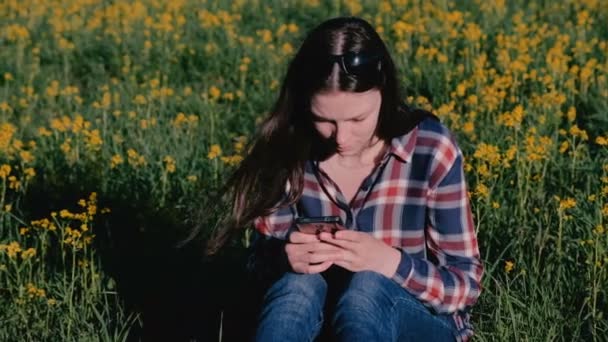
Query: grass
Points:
[149, 105]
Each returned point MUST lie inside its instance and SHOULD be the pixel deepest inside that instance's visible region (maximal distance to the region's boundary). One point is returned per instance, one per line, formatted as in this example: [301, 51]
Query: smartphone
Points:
[316, 225]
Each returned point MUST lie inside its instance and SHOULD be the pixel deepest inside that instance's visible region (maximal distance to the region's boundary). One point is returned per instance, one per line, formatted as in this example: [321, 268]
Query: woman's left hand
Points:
[363, 252]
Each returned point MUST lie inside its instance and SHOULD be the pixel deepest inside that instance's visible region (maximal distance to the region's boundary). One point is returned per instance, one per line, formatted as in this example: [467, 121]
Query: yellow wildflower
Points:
[28, 253]
[135, 159]
[287, 49]
[509, 266]
[169, 164]
[567, 203]
[116, 160]
[12, 249]
[5, 170]
[214, 92]
[564, 146]
[214, 152]
[482, 190]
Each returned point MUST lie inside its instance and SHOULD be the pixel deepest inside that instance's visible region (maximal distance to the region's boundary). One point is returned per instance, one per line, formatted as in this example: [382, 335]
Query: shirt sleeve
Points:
[451, 282]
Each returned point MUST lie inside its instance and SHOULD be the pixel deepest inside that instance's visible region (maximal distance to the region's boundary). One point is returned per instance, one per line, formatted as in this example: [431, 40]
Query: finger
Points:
[310, 269]
[349, 235]
[297, 250]
[345, 244]
[323, 256]
[298, 237]
[323, 246]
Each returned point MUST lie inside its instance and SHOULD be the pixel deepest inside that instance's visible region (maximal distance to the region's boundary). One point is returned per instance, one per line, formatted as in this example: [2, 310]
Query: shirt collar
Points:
[403, 146]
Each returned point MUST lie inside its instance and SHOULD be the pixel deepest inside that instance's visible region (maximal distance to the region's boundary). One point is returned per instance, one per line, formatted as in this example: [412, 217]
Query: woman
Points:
[339, 141]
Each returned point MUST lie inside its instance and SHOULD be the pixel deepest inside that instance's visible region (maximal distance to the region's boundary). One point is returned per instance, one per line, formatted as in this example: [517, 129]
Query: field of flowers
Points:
[119, 118]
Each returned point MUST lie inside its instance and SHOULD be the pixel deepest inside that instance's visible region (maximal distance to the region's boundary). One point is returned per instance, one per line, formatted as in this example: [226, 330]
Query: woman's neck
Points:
[371, 155]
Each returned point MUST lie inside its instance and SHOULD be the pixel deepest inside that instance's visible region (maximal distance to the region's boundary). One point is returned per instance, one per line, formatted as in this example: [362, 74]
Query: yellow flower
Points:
[43, 132]
[287, 49]
[509, 266]
[6, 134]
[192, 178]
[601, 141]
[487, 152]
[65, 146]
[135, 159]
[140, 100]
[567, 203]
[599, 229]
[5, 170]
[577, 132]
[12, 249]
[564, 146]
[228, 96]
[468, 127]
[5, 107]
[482, 190]
[215, 92]
[28, 253]
[571, 115]
[214, 152]
[232, 160]
[14, 183]
[93, 140]
[116, 160]
[169, 164]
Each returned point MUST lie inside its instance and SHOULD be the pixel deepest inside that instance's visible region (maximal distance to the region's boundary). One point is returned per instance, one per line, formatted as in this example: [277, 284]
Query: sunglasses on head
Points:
[356, 64]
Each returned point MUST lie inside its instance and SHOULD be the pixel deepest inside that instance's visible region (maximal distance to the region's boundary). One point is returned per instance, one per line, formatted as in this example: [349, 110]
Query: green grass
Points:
[90, 99]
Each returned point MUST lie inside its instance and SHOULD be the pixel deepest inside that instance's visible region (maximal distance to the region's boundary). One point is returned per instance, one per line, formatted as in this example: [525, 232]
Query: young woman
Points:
[404, 265]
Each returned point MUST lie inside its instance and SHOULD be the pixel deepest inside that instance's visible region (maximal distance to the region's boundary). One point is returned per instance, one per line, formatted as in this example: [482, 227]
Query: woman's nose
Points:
[342, 134]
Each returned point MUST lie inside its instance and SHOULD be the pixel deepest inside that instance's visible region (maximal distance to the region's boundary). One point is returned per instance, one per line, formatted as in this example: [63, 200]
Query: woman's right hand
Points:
[307, 254]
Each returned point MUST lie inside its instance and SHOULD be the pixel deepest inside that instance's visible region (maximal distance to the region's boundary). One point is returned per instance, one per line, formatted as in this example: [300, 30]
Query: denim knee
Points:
[293, 284]
[363, 310]
[366, 290]
[292, 308]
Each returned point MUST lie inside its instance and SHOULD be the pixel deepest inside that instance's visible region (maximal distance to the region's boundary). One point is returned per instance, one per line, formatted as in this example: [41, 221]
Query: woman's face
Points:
[349, 117]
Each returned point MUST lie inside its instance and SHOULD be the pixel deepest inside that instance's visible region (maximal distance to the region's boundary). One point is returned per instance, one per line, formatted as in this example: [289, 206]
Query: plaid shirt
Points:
[416, 201]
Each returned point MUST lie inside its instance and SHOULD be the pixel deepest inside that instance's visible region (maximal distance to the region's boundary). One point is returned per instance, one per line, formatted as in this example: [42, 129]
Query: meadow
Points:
[119, 119]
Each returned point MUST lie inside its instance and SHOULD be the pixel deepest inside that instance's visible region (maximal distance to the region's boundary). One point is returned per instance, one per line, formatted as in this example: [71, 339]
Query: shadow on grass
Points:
[179, 295]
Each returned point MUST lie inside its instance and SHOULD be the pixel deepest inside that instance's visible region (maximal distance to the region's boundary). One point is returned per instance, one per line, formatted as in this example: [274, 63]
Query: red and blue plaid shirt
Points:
[416, 201]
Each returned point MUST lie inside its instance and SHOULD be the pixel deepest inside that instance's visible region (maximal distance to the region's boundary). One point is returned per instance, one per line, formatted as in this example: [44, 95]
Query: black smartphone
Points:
[316, 225]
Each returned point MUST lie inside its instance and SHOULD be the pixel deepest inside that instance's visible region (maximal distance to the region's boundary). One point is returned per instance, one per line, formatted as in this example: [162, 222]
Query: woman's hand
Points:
[307, 254]
[362, 252]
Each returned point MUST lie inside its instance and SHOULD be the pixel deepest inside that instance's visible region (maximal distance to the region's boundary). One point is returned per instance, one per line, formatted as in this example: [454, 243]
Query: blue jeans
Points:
[367, 307]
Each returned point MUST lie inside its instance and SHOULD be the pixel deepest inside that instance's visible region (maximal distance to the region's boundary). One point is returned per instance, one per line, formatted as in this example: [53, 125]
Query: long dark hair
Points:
[286, 139]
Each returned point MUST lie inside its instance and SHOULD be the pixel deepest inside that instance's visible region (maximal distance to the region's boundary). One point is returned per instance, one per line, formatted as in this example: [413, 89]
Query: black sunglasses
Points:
[356, 64]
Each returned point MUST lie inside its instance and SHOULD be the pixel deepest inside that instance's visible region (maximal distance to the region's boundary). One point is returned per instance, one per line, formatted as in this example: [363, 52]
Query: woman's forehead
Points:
[340, 104]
